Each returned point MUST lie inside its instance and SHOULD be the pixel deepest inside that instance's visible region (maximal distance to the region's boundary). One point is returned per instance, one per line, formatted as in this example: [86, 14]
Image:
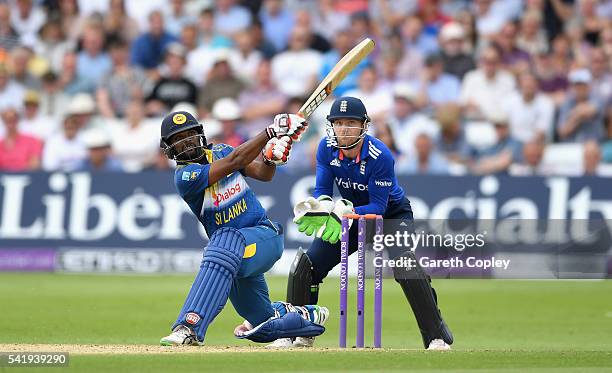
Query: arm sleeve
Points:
[192, 180]
[324, 184]
[379, 187]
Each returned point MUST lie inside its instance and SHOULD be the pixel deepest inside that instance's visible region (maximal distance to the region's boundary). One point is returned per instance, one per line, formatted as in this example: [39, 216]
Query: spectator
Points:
[484, 88]
[390, 69]
[71, 20]
[410, 64]
[390, 14]
[34, 123]
[148, 49]
[245, 58]
[221, 83]
[452, 142]
[439, 87]
[427, 160]
[173, 87]
[452, 42]
[118, 24]
[277, 23]
[11, 92]
[295, 71]
[261, 101]
[342, 44]
[82, 108]
[70, 82]
[467, 21]
[531, 165]
[327, 20]
[316, 41]
[361, 27]
[20, 61]
[602, 76]
[135, 142]
[415, 38]
[122, 84]
[209, 35]
[591, 159]
[551, 81]
[189, 37]
[590, 22]
[375, 97]
[488, 21]
[514, 59]
[231, 17]
[18, 151]
[93, 62]
[227, 112]
[65, 150]
[53, 100]
[531, 36]
[177, 17]
[530, 112]
[201, 59]
[498, 157]
[406, 122]
[261, 43]
[27, 18]
[433, 17]
[581, 117]
[100, 157]
[9, 38]
[52, 44]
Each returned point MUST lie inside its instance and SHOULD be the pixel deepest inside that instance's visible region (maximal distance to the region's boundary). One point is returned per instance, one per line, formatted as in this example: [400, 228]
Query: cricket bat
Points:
[336, 75]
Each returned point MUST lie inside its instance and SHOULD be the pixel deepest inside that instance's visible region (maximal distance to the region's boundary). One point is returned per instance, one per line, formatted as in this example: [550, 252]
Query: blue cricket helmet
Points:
[177, 122]
[348, 107]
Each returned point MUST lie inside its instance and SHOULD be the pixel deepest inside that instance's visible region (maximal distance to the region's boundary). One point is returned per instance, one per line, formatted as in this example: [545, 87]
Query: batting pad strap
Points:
[290, 325]
[226, 248]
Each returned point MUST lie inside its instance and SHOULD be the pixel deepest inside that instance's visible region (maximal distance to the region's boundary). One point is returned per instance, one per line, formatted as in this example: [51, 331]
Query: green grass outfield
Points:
[541, 326]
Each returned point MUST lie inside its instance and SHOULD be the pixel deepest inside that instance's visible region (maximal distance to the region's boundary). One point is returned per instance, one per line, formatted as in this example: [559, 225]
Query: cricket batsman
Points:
[243, 242]
[362, 168]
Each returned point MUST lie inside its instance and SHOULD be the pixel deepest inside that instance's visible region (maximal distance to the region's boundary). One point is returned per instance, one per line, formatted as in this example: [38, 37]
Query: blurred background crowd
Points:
[520, 87]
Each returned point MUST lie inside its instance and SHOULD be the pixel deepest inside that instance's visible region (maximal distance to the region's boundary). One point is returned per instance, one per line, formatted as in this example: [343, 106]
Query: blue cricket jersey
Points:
[368, 181]
[229, 202]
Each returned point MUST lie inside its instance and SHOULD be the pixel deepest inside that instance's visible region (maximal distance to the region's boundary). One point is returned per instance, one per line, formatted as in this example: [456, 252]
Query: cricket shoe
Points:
[319, 315]
[181, 335]
[281, 343]
[438, 345]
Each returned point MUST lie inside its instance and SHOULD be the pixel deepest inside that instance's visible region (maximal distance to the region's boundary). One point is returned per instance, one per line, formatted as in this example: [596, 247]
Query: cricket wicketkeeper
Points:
[362, 168]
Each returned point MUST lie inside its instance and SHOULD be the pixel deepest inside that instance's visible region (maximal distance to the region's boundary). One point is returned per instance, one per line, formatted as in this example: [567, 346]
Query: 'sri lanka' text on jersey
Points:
[368, 181]
[229, 202]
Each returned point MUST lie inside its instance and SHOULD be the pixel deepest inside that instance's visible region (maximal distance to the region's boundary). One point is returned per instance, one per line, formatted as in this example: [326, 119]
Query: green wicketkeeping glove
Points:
[312, 214]
[333, 226]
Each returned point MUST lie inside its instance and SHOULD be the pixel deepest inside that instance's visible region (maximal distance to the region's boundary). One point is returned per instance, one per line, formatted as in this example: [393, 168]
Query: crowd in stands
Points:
[519, 87]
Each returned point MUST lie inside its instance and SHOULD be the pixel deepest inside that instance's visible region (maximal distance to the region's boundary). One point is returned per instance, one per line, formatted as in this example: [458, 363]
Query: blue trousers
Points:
[249, 292]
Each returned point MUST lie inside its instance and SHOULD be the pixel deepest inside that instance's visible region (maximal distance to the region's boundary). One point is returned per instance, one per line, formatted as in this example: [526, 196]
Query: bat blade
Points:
[336, 75]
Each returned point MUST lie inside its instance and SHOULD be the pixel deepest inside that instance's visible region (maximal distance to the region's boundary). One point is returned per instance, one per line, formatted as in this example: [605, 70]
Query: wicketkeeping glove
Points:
[291, 125]
[277, 150]
[311, 214]
[333, 226]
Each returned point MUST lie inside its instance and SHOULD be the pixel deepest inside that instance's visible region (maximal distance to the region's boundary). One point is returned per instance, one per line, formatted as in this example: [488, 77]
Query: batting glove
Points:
[277, 151]
[333, 225]
[290, 125]
[311, 214]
